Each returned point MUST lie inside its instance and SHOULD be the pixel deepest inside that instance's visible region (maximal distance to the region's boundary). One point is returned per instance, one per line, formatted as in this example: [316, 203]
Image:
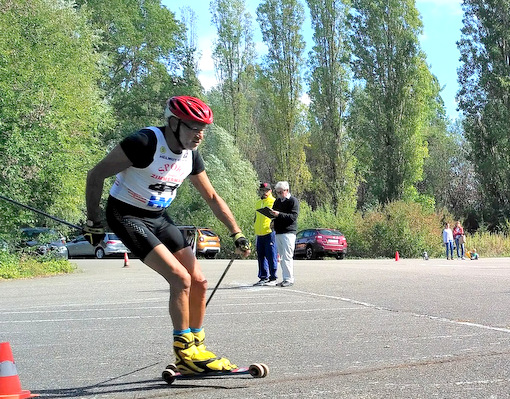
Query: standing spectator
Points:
[265, 238]
[448, 241]
[458, 236]
[285, 211]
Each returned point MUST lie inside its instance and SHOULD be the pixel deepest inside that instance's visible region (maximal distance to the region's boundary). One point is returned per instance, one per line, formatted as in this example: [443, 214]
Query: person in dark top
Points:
[285, 211]
[149, 167]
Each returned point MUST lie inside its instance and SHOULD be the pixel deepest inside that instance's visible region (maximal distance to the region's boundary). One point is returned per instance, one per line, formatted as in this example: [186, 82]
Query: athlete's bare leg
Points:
[161, 260]
[198, 287]
[188, 285]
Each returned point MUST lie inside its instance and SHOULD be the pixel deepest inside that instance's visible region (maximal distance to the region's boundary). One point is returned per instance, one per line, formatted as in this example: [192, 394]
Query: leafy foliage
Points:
[22, 266]
[484, 97]
[234, 58]
[52, 114]
[140, 45]
[392, 104]
[280, 87]
[330, 154]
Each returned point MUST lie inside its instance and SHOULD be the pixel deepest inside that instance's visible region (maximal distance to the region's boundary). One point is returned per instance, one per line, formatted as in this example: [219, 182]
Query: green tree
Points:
[330, 157]
[51, 113]
[484, 98]
[141, 44]
[280, 87]
[392, 104]
[190, 82]
[234, 57]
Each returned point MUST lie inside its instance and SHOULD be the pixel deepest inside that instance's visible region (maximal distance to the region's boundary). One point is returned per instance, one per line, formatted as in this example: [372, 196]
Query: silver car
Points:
[111, 245]
[45, 241]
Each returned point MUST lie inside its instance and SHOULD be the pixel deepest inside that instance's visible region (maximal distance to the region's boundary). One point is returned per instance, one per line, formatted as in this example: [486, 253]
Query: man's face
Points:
[281, 193]
[264, 193]
[191, 134]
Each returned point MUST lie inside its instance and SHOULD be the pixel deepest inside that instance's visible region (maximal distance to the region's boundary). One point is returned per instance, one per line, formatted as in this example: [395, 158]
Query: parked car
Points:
[316, 243]
[44, 240]
[205, 241]
[111, 245]
[208, 243]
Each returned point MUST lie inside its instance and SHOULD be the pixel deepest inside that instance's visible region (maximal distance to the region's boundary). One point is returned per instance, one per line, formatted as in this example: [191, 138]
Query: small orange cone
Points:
[397, 256]
[126, 260]
[10, 386]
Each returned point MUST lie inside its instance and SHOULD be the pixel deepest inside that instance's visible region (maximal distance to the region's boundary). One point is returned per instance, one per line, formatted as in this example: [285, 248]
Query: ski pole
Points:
[40, 212]
[221, 279]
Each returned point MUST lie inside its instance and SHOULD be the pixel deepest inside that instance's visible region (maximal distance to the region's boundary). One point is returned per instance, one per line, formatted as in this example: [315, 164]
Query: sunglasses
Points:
[193, 129]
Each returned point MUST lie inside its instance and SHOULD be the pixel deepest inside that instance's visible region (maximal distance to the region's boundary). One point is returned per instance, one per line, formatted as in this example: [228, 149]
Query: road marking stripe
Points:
[387, 309]
[165, 316]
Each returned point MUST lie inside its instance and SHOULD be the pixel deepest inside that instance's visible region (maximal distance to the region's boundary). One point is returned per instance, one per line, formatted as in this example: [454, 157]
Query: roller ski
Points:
[256, 370]
[193, 360]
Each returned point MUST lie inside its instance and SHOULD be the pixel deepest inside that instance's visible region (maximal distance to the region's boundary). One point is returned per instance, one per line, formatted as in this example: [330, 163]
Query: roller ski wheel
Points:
[169, 375]
[258, 370]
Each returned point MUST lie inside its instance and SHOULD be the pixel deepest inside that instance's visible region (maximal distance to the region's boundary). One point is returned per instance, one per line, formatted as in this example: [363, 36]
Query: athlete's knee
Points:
[181, 283]
[200, 285]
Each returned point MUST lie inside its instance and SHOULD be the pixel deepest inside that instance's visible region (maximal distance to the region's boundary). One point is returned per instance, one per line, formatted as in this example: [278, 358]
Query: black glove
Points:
[241, 242]
[93, 232]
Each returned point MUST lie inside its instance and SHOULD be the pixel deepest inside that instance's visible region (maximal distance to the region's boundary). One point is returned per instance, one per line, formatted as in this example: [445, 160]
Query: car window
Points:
[309, 233]
[111, 236]
[328, 232]
[209, 233]
[299, 235]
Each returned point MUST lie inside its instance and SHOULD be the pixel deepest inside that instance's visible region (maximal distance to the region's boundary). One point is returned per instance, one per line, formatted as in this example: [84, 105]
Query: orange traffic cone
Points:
[126, 260]
[397, 257]
[10, 386]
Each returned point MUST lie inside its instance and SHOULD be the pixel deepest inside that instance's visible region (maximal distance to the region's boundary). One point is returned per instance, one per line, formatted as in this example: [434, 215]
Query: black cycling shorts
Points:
[142, 230]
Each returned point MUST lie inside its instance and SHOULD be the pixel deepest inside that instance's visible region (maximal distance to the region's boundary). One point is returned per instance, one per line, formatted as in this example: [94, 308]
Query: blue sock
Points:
[196, 330]
[182, 332]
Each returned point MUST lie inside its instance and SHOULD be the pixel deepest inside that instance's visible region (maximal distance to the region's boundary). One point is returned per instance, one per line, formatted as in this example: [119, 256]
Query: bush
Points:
[23, 266]
[407, 227]
[488, 244]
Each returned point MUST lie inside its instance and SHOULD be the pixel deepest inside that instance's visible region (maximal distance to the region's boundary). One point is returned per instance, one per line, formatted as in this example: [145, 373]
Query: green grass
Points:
[489, 245]
[15, 266]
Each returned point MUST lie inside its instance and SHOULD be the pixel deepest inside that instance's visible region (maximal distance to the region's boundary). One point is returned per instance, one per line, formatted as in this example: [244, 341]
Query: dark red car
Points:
[316, 243]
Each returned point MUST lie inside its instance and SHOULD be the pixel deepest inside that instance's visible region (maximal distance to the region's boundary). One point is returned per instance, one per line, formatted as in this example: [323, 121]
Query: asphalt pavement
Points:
[346, 329]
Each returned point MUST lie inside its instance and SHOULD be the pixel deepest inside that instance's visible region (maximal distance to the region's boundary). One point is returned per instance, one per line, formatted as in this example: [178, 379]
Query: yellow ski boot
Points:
[216, 364]
[191, 360]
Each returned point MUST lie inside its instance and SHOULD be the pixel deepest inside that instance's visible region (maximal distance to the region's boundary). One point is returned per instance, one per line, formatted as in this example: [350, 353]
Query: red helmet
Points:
[189, 109]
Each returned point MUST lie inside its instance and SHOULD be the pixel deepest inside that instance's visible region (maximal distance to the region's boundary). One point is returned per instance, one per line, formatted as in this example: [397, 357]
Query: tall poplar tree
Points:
[391, 105]
[330, 155]
[190, 84]
[281, 120]
[484, 98]
[234, 58]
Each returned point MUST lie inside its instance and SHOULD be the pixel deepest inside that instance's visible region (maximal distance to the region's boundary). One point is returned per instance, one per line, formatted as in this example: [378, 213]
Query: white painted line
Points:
[377, 307]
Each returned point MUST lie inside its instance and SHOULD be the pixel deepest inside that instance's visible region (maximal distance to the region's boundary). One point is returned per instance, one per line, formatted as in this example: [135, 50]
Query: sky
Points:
[442, 21]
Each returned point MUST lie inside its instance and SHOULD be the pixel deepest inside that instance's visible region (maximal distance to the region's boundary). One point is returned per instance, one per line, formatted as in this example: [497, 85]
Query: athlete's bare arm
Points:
[116, 161]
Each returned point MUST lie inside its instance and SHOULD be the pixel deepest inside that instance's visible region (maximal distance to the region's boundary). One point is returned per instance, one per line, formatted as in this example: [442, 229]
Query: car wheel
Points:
[99, 253]
[341, 255]
[309, 253]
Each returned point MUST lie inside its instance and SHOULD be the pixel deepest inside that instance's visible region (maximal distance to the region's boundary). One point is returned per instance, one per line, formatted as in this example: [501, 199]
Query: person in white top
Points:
[150, 166]
[448, 241]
